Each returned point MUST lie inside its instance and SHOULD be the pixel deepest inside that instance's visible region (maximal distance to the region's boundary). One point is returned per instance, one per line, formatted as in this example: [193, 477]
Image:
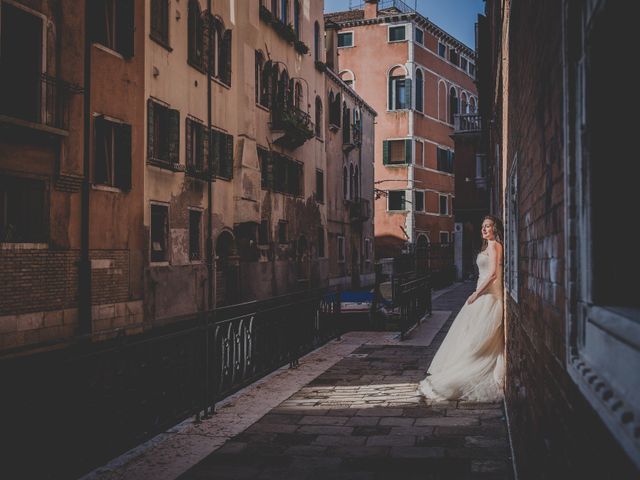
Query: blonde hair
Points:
[497, 231]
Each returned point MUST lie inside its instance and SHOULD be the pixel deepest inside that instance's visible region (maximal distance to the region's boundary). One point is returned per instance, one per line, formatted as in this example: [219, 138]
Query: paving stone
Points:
[306, 450]
[417, 452]
[482, 442]
[281, 419]
[339, 440]
[397, 421]
[271, 428]
[412, 430]
[232, 448]
[447, 421]
[325, 430]
[356, 452]
[371, 430]
[363, 421]
[391, 441]
[323, 420]
[379, 412]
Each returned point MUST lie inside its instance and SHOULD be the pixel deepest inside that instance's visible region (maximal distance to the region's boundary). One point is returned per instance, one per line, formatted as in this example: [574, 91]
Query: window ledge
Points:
[161, 41]
[8, 120]
[23, 246]
[106, 188]
[220, 82]
[263, 108]
[104, 48]
[159, 264]
[173, 167]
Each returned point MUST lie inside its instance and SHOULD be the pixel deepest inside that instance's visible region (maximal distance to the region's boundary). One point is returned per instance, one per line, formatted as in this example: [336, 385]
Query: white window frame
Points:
[424, 201]
[397, 26]
[602, 341]
[414, 36]
[445, 51]
[440, 195]
[353, 39]
[389, 200]
[511, 240]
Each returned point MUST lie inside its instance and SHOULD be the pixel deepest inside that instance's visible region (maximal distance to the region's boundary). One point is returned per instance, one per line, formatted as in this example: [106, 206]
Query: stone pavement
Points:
[362, 419]
[350, 411]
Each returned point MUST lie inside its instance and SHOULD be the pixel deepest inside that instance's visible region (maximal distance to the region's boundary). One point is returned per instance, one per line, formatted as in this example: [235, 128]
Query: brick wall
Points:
[555, 432]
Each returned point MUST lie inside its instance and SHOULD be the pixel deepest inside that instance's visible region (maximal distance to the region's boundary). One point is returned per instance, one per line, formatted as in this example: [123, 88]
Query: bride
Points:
[469, 365]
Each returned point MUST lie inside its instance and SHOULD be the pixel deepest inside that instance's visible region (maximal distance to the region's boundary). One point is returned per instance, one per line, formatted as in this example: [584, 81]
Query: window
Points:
[281, 174]
[224, 55]
[112, 157]
[419, 36]
[163, 131]
[396, 152]
[442, 50]
[319, 186]
[319, 124]
[454, 104]
[334, 110]
[264, 233]
[463, 63]
[284, 11]
[197, 143]
[274, 8]
[259, 66]
[419, 153]
[282, 232]
[454, 57]
[472, 69]
[222, 154]
[195, 36]
[159, 233]
[396, 200]
[160, 21]
[320, 242]
[397, 34]
[399, 89]
[296, 18]
[347, 77]
[444, 205]
[445, 160]
[345, 39]
[444, 237]
[367, 249]
[266, 178]
[341, 252]
[113, 24]
[511, 251]
[418, 201]
[316, 42]
[419, 91]
[345, 182]
[23, 214]
[195, 235]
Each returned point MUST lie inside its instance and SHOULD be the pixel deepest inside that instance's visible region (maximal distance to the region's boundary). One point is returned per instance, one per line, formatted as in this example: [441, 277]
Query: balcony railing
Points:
[42, 100]
[359, 210]
[294, 125]
[468, 122]
[386, 4]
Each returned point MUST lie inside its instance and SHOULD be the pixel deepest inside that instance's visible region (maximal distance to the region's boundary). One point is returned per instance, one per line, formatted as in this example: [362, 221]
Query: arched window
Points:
[338, 101]
[345, 182]
[195, 35]
[351, 181]
[419, 91]
[473, 106]
[316, 42]
[453, 104]
[266, 85]
[348, 77]
[318, 117]
[224, 63]
[464, 105]
[346, 124]
[296, 18]
[273, 86]
[258, 76]
[298, 97]
[284, 93]
[399, 89]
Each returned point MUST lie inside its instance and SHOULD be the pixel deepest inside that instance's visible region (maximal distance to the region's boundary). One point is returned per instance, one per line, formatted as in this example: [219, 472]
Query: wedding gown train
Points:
[469, 365]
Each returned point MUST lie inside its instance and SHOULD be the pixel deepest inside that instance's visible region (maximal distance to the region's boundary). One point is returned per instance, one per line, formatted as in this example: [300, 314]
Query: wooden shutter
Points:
[403, 195]
[123, 157]
[151, 149]
[385, 152]
[206, 137]
[226, 48]
[125, 27]
[174, 136]
[228, 164]
[99, 161]
[215, 152]
[188, 143]
[203, 45]
[408, 153]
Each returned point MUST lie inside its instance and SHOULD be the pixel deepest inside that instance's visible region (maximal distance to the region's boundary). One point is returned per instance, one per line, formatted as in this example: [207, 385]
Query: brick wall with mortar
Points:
[555, 432]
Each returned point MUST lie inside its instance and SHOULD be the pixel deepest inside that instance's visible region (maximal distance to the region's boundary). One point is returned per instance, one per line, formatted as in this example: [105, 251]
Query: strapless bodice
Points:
[483, 263]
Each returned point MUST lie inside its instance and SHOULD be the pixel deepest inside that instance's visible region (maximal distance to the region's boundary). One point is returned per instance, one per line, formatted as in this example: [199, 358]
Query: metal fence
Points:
[414, 299]
[66, 411]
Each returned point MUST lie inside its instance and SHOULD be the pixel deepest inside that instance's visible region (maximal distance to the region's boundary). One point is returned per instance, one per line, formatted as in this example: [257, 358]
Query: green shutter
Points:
[408, 151]
[206, 137]
[188, 143]
[151, 150]
[385, 152]
[174, 136]
[123, 157]
[215, 152]
[228, 165]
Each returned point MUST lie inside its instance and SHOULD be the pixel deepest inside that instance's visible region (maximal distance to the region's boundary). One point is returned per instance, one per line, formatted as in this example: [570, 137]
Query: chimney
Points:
[371, 9]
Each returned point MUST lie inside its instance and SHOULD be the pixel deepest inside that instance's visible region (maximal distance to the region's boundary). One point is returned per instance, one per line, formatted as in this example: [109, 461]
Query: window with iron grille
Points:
[112, 154]
[195, 36]
[159, 233]
[345, 39]
[160, 21]
[23, 213]
[397, 200]
[195, 235]
[113, 24]
[287, 175]
[222, 152]
[163, 134]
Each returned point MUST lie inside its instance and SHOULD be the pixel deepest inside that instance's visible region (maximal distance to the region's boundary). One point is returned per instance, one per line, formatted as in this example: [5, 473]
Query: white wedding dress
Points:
[469, 365]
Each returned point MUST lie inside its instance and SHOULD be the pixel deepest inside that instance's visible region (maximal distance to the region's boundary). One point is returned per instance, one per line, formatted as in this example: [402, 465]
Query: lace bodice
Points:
[483, 262]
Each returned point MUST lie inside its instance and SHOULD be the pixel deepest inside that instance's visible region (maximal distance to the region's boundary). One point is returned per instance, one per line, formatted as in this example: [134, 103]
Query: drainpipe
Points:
[84, 266]
[210, 258]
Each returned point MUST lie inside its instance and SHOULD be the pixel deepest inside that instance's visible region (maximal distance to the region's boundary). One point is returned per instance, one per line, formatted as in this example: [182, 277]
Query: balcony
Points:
[291, 126]
[467, 123]
[359, 210]
[40, 102]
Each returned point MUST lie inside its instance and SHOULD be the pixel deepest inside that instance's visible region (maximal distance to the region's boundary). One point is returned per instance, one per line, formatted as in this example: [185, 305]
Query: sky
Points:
[456, 17]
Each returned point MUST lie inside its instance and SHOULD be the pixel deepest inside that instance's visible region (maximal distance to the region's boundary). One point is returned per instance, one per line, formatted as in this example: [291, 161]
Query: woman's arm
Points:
[493, 250]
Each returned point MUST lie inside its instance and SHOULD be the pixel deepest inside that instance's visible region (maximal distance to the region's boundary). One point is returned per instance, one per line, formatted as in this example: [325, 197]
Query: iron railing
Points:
[467, 122]
[385, 4]
[120, 392]
[41, 100]
[414, 299]
[359, 210]
[295, 124]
